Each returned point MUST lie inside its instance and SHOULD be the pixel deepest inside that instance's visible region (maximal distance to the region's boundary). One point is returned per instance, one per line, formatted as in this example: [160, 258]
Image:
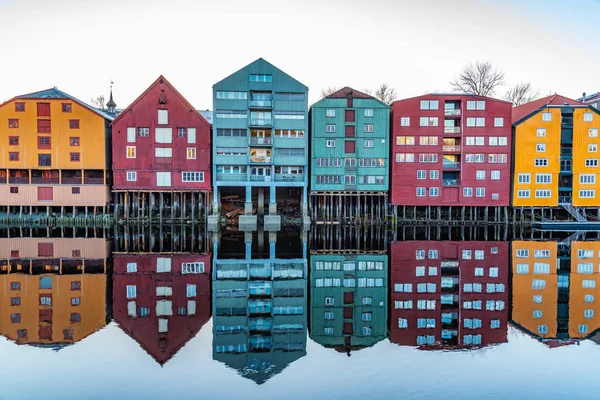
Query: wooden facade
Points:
[55, 152]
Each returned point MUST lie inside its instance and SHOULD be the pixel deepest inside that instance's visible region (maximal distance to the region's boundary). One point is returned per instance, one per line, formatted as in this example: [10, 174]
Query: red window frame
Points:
[13, 123]
[13, 140]
[43, 126]
[75, 157]
[74, 141]
[13, 156]
[75, 190]
[44, 142]
[67, 107]
[19, 107]
[73, 124]
[14, 190]
[43, 109]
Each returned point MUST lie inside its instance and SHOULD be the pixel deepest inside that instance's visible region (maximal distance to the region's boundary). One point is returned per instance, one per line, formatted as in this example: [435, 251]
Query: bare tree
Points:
[99, 102]
[480, 78]
[386, 93]
[329, 90]
[521, 93]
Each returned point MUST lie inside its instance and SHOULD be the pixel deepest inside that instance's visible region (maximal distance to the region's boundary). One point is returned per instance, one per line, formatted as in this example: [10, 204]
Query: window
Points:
[541, 132]
[163, 117]
[67, 107]
[429, 104]
[44, 160]
[540, 162]
[588, 117]
[191, 290]
[588, 298]
[367, 316]
[330, 143]
[475, 105]
[19, 107]
[540, 147]
[541, 254]
[330, 113]
[434, 192]
[480, 192]
[480, 158]
[495, 175]
[432, 255]
[191, 153]
[368, 143]
[192, 176]
[538, 284]
[587, 194]
[588, 313]
[405, 157]
[403, 287]
[593, 148]
[591, 162]
[585, 268]
[543, 194]
[43, 125]
[503, 141]
[404, 121]
[593, 132]
[73, 124]
[498, 122]
[421, 174]
[131, 267]
[368, 112]
[420, 271]
[13, 140]
[261, 78]
[543, 178]
[13, 156]
[369, 128]
[421, 192]
[493, 141]
[75, 301]
[181, 132]
[537, 314]
[546, 117]
[583, 329]
[467, 192]
[434, 174]
[329, 301]
[588, 284]
[75, 317]
[405, 140]
[142, 132]
[428, 121]
[524, 178]
[224, 95]
[44, 142]
[75, 190]
[475, 122]
[523, 194]
[131, 176]
[74, 156]
[480, 175]
[466, 254]
[13, 123]
[130, 151]
[402, 323]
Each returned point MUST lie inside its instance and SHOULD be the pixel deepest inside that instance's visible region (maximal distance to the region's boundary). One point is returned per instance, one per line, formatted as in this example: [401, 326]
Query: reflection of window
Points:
[46, 282]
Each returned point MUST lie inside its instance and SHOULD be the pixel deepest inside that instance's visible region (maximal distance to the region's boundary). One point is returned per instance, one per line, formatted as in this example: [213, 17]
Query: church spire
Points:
[111, 106]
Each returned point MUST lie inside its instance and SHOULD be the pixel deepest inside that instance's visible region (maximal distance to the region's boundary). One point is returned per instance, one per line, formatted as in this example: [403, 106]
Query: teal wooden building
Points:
[349, 155]
[260, 140]
[348, 300]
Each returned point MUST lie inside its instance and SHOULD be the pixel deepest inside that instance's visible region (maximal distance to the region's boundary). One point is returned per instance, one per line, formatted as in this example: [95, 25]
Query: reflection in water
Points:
[259, 304]
[161, 300]
[449, 294]
[555, 288]
[53, 290]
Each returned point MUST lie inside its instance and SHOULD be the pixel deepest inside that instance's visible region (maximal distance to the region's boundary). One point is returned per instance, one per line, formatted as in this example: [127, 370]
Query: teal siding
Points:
[380, 138]
[281, 83]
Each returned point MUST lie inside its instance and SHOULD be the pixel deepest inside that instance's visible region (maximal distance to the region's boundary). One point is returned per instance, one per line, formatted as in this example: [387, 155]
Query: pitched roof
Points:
[345, 91]
[166, 82]
[588, 97]
[258, 62]
[54, 93]
[455, 94]
[522, 111]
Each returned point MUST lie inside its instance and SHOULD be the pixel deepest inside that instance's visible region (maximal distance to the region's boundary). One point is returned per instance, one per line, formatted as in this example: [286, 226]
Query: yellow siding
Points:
[91, 135]
[92, 308]
[525, 153]
[577, 304]
[522, 294]
[581, 142]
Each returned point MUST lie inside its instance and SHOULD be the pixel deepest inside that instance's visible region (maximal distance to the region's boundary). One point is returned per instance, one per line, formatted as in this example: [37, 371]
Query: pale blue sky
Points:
[80, 45]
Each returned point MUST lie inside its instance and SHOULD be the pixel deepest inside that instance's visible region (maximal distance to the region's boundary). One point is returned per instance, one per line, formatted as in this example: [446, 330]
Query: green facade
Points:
[344, 289]
[367, 167]
[260, 131]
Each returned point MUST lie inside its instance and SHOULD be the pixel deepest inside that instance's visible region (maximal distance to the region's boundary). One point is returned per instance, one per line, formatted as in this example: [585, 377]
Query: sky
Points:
[416, 47]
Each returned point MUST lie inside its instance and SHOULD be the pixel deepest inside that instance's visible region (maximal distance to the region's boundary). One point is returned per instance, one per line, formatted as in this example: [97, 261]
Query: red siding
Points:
[404, 180]
[403, 265]
[350, 146]
[181, 328]
[144, 113]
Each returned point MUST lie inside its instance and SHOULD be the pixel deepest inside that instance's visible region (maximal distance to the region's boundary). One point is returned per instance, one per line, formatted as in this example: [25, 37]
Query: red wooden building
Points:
[449, 294]
[161, 144]
[161, 301]
[451, 150]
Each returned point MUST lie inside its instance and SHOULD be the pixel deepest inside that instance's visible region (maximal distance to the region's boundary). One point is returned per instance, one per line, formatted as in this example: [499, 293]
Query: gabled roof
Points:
[471, 95]
[264, 63]
[588, 97]
[166, 82]
[345, 91]
[524, 110]
[54, 93]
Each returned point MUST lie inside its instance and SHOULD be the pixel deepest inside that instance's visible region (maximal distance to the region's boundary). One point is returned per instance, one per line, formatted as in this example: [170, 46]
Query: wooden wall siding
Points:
[143, 113]
[581, 142]
[344, 131]
[62, 195]
[91, 133]
[404, 174]
[577, 303]
[92, 307]
[403, 263]
[523, 292]
[144, 330]
[92, 248]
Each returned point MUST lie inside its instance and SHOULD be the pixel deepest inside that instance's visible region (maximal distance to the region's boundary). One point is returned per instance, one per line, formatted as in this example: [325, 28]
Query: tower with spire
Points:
[111, 106]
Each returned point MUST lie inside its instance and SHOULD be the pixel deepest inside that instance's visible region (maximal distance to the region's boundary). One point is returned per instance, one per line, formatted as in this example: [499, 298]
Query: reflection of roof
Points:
[52, 346]
[551, 343]
[259, 367]
[54, 93]
[522, 111]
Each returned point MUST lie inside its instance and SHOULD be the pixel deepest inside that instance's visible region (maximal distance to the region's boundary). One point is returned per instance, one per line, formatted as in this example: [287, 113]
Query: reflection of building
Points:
[449, 294]
[161, 300]
[348, 300]
[53, 290]
[555, 286]
[259, 308]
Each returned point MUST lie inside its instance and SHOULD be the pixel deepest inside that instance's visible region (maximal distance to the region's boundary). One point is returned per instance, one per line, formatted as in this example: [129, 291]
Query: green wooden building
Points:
[349, 154]
[348, 300]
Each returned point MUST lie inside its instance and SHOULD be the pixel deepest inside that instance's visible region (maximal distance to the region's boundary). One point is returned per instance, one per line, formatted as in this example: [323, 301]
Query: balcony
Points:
[260, 178]
[262, 141]
[14, 179]
[260, 160]
[232, 177]
[452, 113]
[451, 148]
[71, 181]
[44, 181]
[289, 177]
[260, 123]
[262, 104]
[452, 129]
[93, 181]
[450, 165]
[2, 179]
[450, 182]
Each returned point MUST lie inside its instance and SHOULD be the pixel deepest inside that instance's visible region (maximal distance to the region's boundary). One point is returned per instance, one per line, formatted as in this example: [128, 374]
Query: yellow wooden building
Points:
[584, 291]
[55, 151]
[556, 154]
[52, 291]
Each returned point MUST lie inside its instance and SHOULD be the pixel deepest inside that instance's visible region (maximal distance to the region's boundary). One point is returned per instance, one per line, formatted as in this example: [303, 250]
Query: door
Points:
[349, 146]
[350, 131]
[45, 193]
